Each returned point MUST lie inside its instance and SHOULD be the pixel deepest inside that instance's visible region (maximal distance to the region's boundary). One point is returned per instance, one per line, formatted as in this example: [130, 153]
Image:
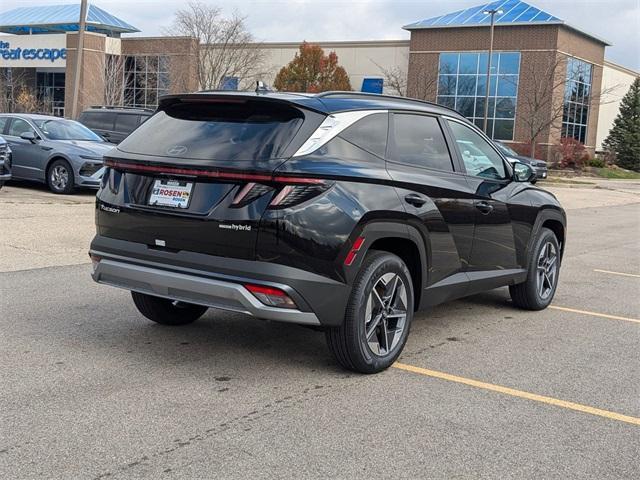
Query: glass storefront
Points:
[462, 80]
[577, 97]
[146, 77]
[50, 92]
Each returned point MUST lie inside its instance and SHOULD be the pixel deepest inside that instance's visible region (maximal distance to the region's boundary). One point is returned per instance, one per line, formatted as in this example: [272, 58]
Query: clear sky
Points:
[617, 21]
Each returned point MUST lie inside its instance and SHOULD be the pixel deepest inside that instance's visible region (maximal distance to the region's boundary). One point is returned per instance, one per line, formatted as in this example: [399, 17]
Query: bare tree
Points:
[227, 48]
[542, 105]
[12, 82]
[396, 79]
[114, 80]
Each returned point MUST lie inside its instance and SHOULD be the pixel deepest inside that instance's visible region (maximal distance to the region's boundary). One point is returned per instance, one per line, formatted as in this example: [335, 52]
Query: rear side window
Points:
[369, 133]
[418, 140]
[217, 130]
[126, 122]
[100, 120]
[19, 126]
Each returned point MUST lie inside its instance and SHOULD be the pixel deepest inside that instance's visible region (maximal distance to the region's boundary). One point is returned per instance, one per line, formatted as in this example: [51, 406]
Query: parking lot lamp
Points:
[493, 12]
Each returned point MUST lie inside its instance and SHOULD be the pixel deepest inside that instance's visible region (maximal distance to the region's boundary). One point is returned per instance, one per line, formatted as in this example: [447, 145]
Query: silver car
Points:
[62, 153]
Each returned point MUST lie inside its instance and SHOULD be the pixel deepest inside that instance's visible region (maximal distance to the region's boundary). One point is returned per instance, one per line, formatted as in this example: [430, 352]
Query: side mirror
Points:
[29, 135]
[523, 172]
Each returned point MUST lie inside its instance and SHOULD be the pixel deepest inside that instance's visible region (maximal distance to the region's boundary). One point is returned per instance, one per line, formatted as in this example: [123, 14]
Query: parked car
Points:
[5, 162]
[114, 123]
[340, 210]
[62, 153]
[538, 166]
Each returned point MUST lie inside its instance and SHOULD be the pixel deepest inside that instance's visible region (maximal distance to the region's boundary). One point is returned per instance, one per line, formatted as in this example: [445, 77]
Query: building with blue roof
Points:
[545, 74]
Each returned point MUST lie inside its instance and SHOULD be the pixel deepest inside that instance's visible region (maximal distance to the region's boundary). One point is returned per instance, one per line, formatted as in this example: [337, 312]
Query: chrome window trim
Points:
[331, 127]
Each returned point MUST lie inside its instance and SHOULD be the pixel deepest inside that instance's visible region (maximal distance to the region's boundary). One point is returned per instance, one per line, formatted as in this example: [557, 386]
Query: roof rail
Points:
[337, 93]
[122, 107]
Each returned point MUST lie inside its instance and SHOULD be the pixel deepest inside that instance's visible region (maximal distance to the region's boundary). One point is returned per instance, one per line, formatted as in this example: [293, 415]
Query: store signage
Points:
[51, 54]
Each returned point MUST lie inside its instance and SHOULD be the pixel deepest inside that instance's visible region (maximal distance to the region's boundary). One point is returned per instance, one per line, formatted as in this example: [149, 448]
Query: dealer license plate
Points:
[170, 193]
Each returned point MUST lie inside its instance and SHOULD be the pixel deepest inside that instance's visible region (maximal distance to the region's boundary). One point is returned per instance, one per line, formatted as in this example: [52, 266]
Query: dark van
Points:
[114, 123]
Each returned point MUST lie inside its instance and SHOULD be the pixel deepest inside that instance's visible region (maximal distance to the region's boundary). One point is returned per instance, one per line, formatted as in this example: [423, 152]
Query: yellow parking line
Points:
[519, 393]
[617, 273]
[595, 314]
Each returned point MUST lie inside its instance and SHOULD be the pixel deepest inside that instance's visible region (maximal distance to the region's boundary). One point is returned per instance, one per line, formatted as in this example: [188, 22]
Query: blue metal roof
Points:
[514, 12]
[60, 19]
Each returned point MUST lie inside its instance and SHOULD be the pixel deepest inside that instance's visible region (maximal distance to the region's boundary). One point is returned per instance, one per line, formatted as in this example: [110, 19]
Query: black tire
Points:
[348, 343]
[531, 295]
[1, 184]
[165, 311]
[57, 181]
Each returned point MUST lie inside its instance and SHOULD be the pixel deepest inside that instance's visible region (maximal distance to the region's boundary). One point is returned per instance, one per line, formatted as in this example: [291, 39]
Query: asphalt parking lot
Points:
[90, 389]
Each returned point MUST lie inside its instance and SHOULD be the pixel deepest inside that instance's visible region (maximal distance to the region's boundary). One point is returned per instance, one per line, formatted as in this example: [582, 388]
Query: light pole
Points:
[493, 12]
[79, 51]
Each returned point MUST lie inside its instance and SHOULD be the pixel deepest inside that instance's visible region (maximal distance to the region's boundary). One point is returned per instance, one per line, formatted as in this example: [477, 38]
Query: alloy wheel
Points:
[547, 270]
[386, 314]
[59, 177]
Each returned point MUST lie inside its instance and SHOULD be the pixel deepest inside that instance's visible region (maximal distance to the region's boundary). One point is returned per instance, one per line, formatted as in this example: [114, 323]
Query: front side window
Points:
[418, 140]
[19, 126]
[462, 83]
[480, 159]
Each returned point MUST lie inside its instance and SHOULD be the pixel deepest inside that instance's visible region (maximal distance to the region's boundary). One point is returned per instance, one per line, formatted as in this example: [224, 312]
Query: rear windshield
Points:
[225, 130]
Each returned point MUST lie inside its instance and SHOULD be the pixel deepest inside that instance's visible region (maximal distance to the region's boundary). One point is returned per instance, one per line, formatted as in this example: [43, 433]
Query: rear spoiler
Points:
[302, 101]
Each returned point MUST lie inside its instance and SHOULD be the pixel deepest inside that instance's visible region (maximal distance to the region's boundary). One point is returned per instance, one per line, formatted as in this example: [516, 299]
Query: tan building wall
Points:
[91, 87]
[359, 59]
[616, 81]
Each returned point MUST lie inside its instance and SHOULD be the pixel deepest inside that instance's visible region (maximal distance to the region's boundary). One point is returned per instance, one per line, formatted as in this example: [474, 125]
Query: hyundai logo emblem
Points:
[176, 150]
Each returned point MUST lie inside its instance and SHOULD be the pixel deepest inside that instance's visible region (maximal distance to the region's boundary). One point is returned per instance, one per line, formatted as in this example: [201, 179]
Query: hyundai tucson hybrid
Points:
[344, 211]
[62, 153]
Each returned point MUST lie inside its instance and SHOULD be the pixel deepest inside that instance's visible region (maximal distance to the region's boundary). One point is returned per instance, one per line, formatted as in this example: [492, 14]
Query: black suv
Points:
[340, 210]
[114, 123]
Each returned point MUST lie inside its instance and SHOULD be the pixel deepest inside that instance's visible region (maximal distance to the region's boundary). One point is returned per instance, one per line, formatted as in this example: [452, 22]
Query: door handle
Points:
[415, 199]
[484, 207]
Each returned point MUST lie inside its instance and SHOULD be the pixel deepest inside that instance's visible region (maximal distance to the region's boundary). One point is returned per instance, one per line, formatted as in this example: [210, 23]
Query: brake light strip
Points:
[249, 177]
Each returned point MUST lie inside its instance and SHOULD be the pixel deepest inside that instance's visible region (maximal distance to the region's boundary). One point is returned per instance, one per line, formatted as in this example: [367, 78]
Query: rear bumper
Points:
[218, 282]
[194, 289]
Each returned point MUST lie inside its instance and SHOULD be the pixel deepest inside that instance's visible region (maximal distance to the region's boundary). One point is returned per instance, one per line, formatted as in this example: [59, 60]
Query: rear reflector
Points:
[351, 256]
[274, 297]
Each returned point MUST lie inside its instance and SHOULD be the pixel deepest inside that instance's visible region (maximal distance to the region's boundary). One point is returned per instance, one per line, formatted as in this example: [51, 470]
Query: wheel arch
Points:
[554, 220]
[405, 242]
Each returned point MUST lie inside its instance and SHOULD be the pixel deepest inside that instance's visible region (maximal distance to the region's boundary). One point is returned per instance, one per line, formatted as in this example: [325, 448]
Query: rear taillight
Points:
[271, 296]
[291, 195]
[290, 190]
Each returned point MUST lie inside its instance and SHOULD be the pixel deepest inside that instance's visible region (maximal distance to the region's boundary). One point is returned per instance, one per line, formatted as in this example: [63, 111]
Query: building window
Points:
[50, 91]
[462, 80]
[146, 78]
[577, 97]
